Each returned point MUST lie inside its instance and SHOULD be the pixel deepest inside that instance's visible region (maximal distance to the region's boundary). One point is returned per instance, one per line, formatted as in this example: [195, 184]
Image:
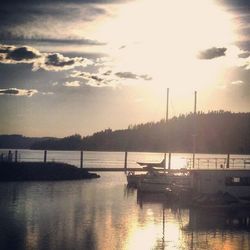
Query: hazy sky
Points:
[80, 66]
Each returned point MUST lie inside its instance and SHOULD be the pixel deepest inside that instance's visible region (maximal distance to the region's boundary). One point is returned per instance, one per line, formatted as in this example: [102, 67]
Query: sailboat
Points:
[152, 168]
[169, 182]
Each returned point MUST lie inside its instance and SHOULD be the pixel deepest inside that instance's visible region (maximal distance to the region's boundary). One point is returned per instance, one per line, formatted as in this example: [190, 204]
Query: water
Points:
[105, 214]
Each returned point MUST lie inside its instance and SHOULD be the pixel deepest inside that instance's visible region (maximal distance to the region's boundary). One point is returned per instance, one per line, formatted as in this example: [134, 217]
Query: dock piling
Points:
[15, 155]
[45, 156]
[125, 160]
[81, 159]
[169, 161]
[228, 160]
[165, 162]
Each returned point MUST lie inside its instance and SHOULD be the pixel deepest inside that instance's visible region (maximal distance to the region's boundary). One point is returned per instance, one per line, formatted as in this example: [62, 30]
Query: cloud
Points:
[18, 92]
[106, 78]
[72, 84]
[212, 53]
[12, 55]
[9, 37]
[245, 54]
[13, 2]
[95, 79]
[26, 22]
[16, 14]
[46, 61]
[58, 62]
[130, 75]
[238, 82]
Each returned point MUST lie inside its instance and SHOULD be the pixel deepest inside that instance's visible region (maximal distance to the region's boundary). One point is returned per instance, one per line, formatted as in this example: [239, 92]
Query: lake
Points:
[105, 214]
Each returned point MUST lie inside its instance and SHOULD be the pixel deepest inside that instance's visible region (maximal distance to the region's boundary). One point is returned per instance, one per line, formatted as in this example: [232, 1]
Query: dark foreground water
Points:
[105, 214]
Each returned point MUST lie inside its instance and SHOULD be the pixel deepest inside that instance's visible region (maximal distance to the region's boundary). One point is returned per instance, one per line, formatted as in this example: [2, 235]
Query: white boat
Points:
[159, 182]
[134, 179]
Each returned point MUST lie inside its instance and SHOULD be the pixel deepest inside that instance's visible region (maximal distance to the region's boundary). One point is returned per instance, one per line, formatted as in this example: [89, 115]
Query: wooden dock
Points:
[126, 169]
[114, 169]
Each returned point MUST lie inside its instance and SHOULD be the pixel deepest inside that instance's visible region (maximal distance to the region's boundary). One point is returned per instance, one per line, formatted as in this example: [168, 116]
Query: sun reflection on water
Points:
[100, 216]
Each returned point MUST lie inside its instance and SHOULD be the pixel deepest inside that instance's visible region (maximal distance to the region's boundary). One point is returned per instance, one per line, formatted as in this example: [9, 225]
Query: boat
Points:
[150, 168]
[133, 179]
[160, 182]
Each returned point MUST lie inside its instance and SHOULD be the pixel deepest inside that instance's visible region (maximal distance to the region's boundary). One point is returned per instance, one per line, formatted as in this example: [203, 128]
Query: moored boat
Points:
[159, 182]
[133, 179]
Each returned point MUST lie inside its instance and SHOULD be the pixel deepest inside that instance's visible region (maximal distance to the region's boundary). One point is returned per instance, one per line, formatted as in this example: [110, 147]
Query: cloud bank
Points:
[48, 61]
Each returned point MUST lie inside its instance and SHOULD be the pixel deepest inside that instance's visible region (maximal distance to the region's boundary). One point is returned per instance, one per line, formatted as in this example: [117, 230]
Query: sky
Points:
[81, 66]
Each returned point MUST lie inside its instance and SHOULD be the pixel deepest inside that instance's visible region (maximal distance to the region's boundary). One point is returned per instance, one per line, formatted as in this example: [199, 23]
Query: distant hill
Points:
[19, 141]
[216, 132]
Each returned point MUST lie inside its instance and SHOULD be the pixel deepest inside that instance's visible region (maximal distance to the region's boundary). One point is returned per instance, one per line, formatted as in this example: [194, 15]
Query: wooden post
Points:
[81, 160]
[165, 162]
[125, 160]
[15, 155]
[45, 156]
[169, 161]
[228, 160]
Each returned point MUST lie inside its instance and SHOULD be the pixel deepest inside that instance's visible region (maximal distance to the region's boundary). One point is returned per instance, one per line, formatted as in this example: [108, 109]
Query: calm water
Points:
[105, 214]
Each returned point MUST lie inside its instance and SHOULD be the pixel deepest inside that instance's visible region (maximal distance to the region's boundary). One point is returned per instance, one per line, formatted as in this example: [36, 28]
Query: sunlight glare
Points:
[163, 39]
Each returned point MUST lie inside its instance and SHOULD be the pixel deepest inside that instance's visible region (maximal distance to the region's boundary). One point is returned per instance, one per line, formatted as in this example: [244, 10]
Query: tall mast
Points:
[166, 119]
[166, 128]
[194, 128]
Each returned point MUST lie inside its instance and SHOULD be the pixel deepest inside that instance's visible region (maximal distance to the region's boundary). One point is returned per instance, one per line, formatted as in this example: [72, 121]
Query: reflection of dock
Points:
[206, 219]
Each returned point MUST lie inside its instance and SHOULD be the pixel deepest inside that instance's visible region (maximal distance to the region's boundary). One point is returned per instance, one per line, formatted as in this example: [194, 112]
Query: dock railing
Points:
[219, 163]
[124, 161]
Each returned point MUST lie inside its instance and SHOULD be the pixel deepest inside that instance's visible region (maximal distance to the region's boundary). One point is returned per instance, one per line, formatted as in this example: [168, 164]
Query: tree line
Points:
[215, 132]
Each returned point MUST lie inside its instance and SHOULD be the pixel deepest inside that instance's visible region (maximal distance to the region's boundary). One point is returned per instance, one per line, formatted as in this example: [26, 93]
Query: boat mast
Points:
[166, 132]
[194, 129]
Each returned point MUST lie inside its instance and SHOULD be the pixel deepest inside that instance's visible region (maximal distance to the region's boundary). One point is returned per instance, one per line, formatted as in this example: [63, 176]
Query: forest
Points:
[214, 132]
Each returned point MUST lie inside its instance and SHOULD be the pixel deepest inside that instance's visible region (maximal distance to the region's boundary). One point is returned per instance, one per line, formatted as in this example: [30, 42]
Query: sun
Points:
[162, 38]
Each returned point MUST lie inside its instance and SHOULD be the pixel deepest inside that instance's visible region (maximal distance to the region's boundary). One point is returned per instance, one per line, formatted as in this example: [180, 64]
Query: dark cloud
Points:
[235, 4]
[9, 91]
[46, 61]
[18, 92]
[27, 20]
[244, 54]
[12, 54]
[240, 15]
[10, 38]
[212, 53]
[22, 13]
[22, 53]
[58, 62]
[13, 2]
[244, 45]
[130, 75]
